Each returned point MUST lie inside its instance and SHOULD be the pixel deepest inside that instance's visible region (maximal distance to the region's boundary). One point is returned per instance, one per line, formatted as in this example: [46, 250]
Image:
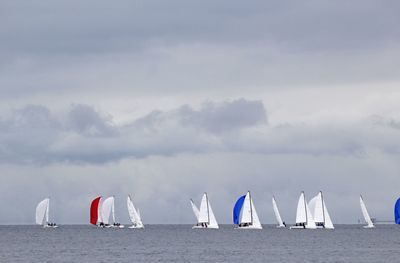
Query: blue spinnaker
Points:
[237, 208]
[397, 212]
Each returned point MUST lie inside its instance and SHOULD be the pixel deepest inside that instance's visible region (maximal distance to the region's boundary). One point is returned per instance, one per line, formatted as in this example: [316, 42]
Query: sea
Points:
[180, 243]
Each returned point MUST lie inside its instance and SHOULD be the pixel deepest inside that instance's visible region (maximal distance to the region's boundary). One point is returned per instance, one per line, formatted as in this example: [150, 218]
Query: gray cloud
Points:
[85, 135]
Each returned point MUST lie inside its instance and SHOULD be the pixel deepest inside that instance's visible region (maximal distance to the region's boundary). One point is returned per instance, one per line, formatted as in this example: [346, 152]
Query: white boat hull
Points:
[136, 227]
[248, 227]
[368, 226]
[120, 226]
[301, 227]
[203, 227]
[46, 226]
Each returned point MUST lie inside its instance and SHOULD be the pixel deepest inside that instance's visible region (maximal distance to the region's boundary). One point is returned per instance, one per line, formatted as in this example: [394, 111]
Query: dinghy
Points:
[42, 214]
[95, 212]
[304, 218]
[281, 224]
[320, 212]
[205, 216]
[107, 210]
[134, 214]
[365, 213]
[245, 214]
[397, 212]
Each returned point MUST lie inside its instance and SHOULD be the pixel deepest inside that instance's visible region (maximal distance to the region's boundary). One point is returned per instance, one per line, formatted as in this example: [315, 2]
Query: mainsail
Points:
[94, 210]
[303, 214]
[277, 214]
[365, 213]
[320, 212]
[106, 210]
[134, 214]
[206, 214]
[42, 212]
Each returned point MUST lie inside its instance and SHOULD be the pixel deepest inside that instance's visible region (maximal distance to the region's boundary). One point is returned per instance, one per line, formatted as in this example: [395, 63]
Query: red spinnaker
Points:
[94, 210]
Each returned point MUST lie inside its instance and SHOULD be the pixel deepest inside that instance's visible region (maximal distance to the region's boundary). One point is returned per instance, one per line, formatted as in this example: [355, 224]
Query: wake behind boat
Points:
[42, 214]
[281, 224]
[304, 218]
[320, 212]
[134, 214]
[365, 213]
[245, 214]
[205, 216]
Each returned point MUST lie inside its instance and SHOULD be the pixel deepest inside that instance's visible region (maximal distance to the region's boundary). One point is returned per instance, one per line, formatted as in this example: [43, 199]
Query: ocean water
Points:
[179, 243]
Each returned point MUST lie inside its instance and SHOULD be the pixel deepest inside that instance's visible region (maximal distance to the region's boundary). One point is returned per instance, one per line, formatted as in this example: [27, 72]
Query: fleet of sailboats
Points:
[309, 215]
[245, 214]
[205, 215]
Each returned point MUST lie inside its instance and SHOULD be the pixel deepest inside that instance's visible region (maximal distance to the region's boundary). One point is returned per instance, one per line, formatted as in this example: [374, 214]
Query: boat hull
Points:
[136, 227]
[248, 227]
[202, 227]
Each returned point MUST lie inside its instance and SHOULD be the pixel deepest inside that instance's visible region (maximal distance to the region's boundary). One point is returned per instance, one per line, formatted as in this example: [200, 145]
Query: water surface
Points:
[179, 243]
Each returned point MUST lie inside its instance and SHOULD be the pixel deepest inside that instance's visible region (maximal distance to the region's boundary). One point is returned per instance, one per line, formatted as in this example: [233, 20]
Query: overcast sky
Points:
[164, 100]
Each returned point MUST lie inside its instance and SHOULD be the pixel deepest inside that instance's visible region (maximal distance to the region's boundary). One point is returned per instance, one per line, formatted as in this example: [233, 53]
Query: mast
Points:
[323, 207]
[251, 209]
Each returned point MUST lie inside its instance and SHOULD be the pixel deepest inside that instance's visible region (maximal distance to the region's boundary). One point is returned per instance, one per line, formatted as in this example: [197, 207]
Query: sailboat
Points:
[304, 218]
[134, 214]
[320, 212]
[281, 224]
[245, 214]
[367, 218]
[107, 210]
[205, 216]
[42, 214]
[397, 212]
[95, 212]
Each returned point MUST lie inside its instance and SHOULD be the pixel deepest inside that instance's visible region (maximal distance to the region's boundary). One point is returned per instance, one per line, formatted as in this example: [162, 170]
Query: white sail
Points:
[277, 214]
[246, 210]
[320, 212]
[106, 209]
[213, 221]
[310, 220]
[301, 214]
[195, 210]
[113, 210]
[42, 215]
[256, 220]
[249, 213]
[134, 214]
[204, 216]
[100, 211]
[366, 214]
